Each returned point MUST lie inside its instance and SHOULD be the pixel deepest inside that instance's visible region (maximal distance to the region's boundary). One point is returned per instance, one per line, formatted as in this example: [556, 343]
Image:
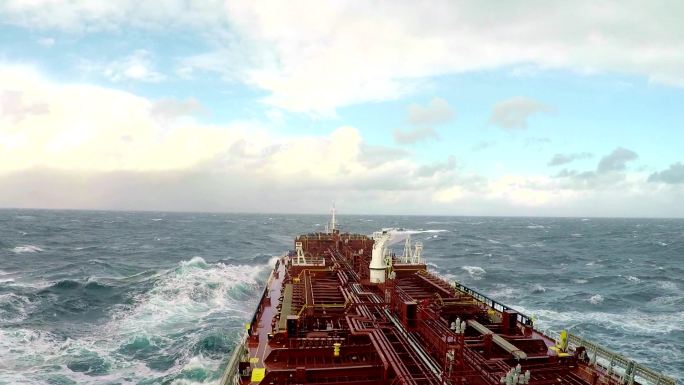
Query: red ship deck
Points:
[321, 321]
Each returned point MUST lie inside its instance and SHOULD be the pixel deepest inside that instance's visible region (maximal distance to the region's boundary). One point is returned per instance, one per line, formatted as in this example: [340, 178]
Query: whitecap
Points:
[580, 280]
[535, 227]
[576, 235]
[27, 249]
[596, 299]
[633, 279]
[475, 272]
[503, 292]
[493, 241]
[668, 285]
[538, 289]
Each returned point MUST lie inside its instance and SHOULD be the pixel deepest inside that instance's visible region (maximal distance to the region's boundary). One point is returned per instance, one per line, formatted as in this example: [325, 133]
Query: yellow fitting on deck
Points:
[258, 374]
[336, 349]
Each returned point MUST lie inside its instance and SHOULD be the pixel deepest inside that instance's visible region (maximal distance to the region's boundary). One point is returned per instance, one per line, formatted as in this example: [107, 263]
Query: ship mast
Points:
[330, 226]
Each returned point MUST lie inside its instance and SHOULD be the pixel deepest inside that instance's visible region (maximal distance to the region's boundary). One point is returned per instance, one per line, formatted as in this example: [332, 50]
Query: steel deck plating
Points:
[326, 316]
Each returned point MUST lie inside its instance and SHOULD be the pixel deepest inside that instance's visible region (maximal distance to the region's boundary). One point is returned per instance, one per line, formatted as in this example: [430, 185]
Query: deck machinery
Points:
[342, 309]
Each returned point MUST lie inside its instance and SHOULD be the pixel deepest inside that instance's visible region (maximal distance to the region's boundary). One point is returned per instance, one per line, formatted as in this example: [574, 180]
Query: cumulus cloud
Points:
[561, 159]
[514, 113]
[137, 66]
[430, 170]
[414, 135]
[609, 173]
[298, 51]
[79, 152]
[424, 119]
[434, 113]
[616, 160]
[168, 109]
[672, 175]
[14, 106]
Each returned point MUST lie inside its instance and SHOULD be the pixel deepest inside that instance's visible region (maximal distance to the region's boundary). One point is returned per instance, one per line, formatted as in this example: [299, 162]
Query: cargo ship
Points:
[342, 308]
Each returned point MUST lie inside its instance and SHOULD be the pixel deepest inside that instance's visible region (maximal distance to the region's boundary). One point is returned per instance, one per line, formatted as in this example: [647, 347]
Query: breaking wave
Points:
[167, 333]
[475, 272]
[27, 249]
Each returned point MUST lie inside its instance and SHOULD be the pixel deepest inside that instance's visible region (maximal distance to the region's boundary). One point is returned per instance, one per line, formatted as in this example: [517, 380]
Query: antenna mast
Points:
[332, 220]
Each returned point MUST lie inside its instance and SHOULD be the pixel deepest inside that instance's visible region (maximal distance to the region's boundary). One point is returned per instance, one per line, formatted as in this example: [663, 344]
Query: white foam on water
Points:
[503, 292]
[423, 231]
[631, 322]
[536, 227]
[181, 300]
[580, 280]
[633, 279]
[538, 289]
[475, 272]
[13, 307]
[27, 249]
[493, 241]
[595, 299]
[668, 285]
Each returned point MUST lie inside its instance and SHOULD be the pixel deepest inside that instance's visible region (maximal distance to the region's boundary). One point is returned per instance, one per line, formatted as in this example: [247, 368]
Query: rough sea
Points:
[159, 298]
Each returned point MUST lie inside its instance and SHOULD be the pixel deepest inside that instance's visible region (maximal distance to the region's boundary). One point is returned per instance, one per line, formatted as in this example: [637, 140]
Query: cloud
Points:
[560, 159]
[13, 106]
[297, 52]
[672, 175]
[430, 170]
[483, 145]
[80, 152]
[423, 119]
[101, 15]
[514, 113]
[137, 66]
[434, 113]
[616, 160]
[414, 135]
[46, 41]
[168, 109]
[374, 156]
[609, 173]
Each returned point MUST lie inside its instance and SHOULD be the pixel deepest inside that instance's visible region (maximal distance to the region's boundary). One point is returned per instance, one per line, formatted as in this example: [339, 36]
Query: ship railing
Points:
[498, 306]
[629, 371]
[230, 374]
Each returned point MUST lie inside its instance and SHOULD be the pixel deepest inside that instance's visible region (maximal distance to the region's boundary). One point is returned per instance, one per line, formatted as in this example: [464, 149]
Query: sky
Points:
[534, 108]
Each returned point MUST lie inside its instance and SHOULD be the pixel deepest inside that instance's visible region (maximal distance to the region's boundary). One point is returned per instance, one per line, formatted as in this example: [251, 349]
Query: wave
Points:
[475, 272]
[596, 299]
[536, 227]
[170, 334]
[13, 307]
[632, 322]
[27, 249]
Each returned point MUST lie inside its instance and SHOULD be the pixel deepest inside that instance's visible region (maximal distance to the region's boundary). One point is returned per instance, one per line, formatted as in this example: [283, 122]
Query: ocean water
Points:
[159, 298]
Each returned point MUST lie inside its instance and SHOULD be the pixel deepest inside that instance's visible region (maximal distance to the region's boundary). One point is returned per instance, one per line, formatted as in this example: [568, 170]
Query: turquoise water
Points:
[159, 298]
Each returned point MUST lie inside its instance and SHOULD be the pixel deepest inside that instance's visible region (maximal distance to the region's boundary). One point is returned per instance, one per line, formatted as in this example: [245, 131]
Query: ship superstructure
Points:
[341, 308]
